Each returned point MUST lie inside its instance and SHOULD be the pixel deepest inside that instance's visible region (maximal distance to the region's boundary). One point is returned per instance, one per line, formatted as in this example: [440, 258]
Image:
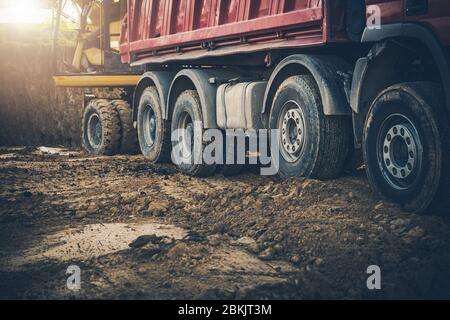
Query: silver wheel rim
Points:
[400, 151]
[292, 131]
[186, 137]
[149, 126]
[94, 131]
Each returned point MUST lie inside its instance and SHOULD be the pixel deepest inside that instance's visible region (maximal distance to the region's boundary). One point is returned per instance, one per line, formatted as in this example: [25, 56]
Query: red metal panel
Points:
[437, 20]
[243, 10]
[275, 7]
[202, 13]
[259, 9]
[167, 25]
[228, 11]
[292, 5]
[230, 30]
[391, 10]
[178, 16]
[156, 21]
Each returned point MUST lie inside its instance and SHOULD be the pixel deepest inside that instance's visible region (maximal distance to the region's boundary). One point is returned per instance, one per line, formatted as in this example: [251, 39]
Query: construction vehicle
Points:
[332, 76]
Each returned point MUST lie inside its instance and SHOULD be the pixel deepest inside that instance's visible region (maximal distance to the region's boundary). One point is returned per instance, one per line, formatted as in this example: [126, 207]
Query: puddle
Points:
[91, 241]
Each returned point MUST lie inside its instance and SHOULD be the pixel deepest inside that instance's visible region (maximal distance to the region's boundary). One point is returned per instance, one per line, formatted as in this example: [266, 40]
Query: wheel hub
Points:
[95, 130]
[150, 126]
[292, 132]
[400, 151]
[187, 135]
[153, 125]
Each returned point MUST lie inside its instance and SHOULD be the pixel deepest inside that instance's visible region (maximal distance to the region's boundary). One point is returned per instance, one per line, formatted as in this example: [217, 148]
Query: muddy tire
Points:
[153, 130]
[311, 144]
[101, 128]
[187, 130]
[129, 140]
[406, 147]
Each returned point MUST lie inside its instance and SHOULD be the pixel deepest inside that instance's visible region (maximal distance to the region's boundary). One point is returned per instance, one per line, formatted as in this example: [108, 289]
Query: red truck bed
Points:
[158, 31]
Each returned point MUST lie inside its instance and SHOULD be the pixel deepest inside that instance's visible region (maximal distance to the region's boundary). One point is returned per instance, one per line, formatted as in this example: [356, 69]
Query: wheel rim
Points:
[149, 126]
[292, 135]
[186, 137]
[400, 152]
[95, 133]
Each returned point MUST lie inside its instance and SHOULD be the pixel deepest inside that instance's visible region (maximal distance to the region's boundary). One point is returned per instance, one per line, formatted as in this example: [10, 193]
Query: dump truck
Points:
[329, 77]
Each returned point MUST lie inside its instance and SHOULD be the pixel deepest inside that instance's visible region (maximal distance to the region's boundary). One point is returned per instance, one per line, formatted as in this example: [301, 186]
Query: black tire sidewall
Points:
[188, 102]
[150, 99]
[129, 139]
[291, 90]
[421, 193]
[88, 112]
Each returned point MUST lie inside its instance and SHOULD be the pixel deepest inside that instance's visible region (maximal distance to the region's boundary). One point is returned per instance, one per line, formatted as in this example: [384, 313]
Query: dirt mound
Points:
[138, 230]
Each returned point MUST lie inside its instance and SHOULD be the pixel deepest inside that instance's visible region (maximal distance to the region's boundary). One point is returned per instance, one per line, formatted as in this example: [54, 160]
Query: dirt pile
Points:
[241, 237]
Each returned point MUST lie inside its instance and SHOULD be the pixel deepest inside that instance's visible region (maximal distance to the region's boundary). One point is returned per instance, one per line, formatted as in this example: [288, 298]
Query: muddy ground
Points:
[140, 231]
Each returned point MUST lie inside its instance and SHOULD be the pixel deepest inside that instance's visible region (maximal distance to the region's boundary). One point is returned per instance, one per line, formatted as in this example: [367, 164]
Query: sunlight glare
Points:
[23, 12]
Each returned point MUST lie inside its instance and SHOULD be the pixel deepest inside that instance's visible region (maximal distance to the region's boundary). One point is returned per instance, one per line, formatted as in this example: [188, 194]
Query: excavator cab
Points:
[94, 61]
[97, 46]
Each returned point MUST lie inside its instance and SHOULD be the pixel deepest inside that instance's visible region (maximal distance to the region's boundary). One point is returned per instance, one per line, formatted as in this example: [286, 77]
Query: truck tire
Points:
[311, 144]
[187, 143]
[406, 147]
[101, 128]
[153, 130]
[128, 141]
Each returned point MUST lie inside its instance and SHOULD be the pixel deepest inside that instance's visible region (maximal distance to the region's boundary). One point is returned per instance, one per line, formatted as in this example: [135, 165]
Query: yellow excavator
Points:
[96, 60]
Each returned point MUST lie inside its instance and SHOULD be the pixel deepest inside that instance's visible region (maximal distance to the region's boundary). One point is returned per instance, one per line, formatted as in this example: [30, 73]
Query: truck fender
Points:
[161, 80]
[332, 75]
[402, 30]
[205, 82]
[373, 74]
